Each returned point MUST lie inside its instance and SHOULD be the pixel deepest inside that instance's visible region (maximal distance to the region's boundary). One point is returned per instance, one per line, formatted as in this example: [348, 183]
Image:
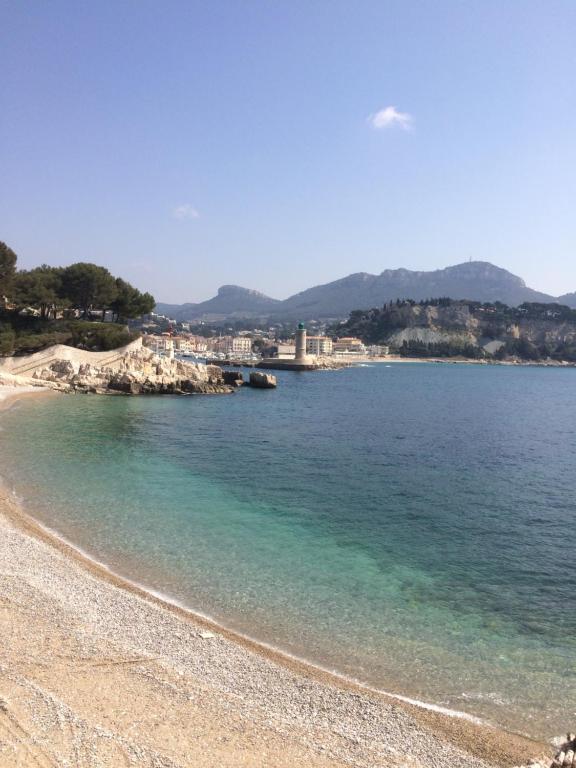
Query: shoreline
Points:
[9, 395]
[464, 361]
[468, 741]
[60, 542]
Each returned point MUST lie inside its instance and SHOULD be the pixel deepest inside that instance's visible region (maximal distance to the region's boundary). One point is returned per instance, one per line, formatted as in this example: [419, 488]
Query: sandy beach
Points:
[96, 672]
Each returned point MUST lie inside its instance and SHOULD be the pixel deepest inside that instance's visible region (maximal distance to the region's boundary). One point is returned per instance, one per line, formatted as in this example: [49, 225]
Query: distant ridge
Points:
[231, 302]
[473, 280]
[569, 299]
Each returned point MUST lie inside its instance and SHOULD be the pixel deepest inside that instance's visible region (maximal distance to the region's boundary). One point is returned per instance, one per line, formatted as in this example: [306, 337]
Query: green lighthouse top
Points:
[301, 326]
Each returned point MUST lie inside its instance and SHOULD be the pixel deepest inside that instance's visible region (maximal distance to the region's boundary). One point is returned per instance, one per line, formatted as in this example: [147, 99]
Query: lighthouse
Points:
[300, 356]
[300, 362]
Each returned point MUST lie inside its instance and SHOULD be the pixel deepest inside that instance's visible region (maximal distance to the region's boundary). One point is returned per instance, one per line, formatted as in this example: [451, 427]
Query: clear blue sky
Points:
[189, 144]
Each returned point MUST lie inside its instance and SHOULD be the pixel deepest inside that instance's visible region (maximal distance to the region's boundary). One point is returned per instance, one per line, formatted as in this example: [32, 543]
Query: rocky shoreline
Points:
[132, 371]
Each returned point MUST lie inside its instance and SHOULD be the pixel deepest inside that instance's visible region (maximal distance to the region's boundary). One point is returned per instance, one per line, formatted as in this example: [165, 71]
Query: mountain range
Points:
[473, 280]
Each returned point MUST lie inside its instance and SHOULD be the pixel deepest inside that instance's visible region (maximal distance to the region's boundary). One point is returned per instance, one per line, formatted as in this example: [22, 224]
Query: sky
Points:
[279, 144]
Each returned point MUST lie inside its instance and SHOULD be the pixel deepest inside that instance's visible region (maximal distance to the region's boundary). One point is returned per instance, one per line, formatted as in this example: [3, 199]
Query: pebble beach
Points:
[96, 672]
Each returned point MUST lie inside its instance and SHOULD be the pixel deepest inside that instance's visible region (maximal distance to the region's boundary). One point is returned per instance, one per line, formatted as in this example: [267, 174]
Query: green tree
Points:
[88, 287]
[129, 302]
[146, 304]
[258, 344]
[7, 339]
[7, 268]
[40, 288]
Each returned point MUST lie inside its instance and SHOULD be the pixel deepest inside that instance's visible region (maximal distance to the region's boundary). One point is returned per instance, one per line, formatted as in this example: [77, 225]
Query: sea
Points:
[410, 526]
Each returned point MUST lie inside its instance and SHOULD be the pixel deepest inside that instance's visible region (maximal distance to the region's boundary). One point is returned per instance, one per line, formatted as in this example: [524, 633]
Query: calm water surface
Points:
[409, 525]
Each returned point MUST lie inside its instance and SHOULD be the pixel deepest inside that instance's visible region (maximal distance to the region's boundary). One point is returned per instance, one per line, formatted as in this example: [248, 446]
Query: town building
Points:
[378, 350]
[349, 345]
[161, 345]
[285, 350]
[190, 345]
[319, 345]
[233, 345]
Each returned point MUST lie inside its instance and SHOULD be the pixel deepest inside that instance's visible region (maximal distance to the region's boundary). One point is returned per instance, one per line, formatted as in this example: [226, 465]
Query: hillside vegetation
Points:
[447, 327]
[65, 305]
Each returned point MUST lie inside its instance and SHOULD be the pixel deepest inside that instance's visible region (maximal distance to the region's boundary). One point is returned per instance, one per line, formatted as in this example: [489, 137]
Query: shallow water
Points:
[409, 525]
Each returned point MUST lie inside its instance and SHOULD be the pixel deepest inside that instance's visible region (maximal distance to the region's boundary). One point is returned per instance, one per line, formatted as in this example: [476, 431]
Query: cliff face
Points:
[547, 331]
[532, 330]
[433, 325]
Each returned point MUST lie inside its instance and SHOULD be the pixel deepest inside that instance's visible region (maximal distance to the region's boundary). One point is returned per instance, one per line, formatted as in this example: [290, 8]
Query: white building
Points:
[319, 345]
[191, 345]
[233, 345]
[286, 350]
[349, 345]
[378, 350]
[161, 345]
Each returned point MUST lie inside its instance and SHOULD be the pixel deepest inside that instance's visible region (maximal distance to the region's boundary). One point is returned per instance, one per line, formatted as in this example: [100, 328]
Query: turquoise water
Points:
[409, 525]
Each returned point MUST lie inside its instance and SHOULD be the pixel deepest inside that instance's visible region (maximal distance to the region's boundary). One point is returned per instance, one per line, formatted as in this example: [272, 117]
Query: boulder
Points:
[44, 374]
[62, 368]
[125, 382]
[262, 380]
[233, 378]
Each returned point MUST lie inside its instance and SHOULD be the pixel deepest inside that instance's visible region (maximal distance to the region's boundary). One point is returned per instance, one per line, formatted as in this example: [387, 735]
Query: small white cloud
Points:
[185, 211]
[388, 116]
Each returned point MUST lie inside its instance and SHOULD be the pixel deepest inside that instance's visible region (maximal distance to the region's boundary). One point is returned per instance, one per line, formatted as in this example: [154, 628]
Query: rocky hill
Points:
[476, 281]
[568, 299]
[231, 302]
[445, 327]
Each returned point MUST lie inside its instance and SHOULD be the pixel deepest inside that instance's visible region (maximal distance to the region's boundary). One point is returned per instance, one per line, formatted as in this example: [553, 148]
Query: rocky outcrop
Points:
[564, 757]
[233, 378]
[128, 371]
[262, 380]
[448, 328]
[136, 372]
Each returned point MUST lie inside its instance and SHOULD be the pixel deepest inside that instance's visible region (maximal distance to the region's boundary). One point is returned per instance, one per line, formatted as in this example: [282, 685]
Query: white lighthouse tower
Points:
[300, 356]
